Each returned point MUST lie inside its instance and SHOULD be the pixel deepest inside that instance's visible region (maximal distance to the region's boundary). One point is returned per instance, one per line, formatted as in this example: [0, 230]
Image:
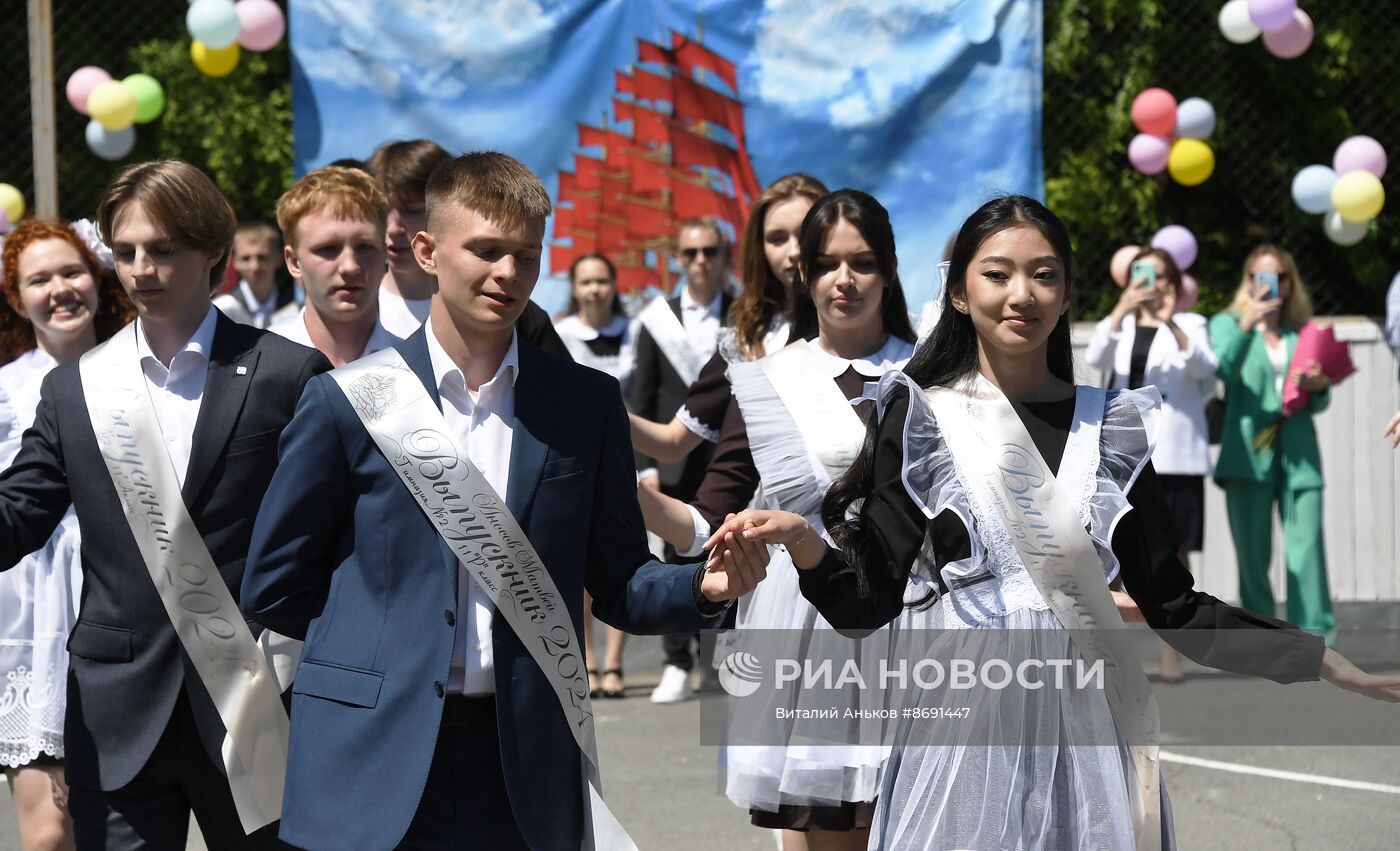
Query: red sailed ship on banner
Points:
[685, 159]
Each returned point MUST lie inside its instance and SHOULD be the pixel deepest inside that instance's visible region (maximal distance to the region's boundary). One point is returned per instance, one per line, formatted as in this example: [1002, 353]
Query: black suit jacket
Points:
[535, 326]
[127, 666]
[655, 392]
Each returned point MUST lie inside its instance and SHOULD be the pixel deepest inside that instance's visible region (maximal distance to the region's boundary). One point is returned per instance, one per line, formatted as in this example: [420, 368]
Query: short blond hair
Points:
[494, 185]
[347, 193]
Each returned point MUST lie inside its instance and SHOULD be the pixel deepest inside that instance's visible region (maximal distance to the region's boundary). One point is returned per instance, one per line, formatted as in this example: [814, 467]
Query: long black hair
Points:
[950, 354]
[870, 218]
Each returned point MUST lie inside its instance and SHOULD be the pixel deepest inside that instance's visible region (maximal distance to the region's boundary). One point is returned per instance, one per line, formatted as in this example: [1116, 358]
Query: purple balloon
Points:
[1291, 40]
[1269, 15]
[1359, 152]
[1149, 153]
[1179, 242]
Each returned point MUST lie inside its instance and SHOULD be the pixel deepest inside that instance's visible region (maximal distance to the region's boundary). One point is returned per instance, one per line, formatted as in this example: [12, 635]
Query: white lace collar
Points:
[575, 327]
[892, 355]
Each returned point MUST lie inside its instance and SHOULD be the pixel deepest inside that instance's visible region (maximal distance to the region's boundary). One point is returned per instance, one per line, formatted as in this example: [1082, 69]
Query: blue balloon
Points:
[1312, 189]
[110, 144]
[1195, 119]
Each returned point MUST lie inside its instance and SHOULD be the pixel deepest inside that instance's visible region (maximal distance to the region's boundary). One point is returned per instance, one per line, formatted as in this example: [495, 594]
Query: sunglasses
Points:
[710, 252]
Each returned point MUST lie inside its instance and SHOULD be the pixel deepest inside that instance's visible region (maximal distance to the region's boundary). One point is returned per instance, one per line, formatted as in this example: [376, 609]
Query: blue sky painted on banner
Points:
[888, 96]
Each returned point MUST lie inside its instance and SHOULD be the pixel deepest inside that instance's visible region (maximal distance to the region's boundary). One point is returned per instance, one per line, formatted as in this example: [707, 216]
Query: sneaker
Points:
[674, 686]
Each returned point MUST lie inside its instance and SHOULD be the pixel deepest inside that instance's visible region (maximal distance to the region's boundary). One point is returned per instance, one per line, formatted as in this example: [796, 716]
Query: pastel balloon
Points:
[213, 22]
[1235, 23]
[1358, 196]
[1179, 242]
[1195, 119]
[1343, 232]
[112, 105]
[1154, 112]
[11, 202]
[1312, 189]
[150, 97]
[1149, 153]
[4, 222]
[1269, 15]
[1292, 40]
[81, 83]
[1122, 260]
[1190, 292]
[1191, 162]
[261, 24]
[1360, 153]
[109, 144]
[214, 63]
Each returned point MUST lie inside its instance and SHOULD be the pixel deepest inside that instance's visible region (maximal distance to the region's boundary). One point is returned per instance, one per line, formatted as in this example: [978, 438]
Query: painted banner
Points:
[641, 114]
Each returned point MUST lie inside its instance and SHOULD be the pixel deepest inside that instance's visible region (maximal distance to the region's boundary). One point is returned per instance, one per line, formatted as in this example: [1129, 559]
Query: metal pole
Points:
[41, 104]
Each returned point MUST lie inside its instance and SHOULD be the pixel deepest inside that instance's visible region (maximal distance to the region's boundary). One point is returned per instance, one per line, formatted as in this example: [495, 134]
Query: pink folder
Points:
[1315, 343]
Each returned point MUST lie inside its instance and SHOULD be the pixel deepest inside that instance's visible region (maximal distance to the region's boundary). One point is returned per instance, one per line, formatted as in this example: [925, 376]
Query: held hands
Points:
[771, 528]
[736, 565]
[1340, 672]
[1312, 379]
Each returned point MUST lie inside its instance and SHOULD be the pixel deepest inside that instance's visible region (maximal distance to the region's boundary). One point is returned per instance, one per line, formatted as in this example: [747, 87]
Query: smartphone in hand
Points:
[1144, 272]
[1267, 279]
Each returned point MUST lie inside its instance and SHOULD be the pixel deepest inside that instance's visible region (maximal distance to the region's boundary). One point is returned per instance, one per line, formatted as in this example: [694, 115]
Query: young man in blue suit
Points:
[441, 701]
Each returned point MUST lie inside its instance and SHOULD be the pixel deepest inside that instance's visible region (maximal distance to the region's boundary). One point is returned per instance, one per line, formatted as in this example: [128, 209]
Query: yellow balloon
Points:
[112, 105]
[1358, 196]
[11, 202]
[214, 63]
[1190, 162]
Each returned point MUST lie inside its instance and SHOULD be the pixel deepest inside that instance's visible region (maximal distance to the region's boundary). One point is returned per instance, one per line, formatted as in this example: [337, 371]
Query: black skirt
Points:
[1186, 496]
[844, 816]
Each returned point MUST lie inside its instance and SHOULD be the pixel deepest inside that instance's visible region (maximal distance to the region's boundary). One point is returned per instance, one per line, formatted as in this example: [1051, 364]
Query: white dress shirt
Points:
[294, 329]
[702, 323]
[260, 311]
[481, 424]
[176, 391]
[402, 316]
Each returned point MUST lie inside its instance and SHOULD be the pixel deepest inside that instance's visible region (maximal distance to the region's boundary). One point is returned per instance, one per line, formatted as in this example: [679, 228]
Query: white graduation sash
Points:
[1006, 471]
[411, 432]
[822, 413]
[201, 607]
[668, 332]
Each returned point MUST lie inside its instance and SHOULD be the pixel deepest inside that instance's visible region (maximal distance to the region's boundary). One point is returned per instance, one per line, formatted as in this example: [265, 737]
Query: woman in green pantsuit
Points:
[1254, 341]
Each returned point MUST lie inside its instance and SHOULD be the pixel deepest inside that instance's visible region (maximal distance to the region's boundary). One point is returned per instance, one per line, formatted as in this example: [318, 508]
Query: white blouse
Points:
[38, 597]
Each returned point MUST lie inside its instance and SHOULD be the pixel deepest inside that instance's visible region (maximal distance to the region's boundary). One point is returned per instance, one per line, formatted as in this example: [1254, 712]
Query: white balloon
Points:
[1195, 119]
[1312, 189]
[1235, 23]
[1343, 232]
[110, 144]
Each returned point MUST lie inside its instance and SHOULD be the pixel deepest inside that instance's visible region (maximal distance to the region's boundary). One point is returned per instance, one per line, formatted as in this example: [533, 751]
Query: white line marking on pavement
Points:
[1296, 776]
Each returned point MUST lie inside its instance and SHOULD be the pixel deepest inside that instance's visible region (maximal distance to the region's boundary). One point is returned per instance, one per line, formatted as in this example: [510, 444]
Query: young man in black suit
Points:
[163, 441]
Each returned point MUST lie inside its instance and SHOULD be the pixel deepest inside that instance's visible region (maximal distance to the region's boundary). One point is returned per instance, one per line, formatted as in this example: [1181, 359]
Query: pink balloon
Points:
[261, 24]
[1179, 242]
[1270, 15]
[1118, 266]
[81, 83]
[1154, 112]
[1293, 39]
[1149, 153]
[1359, 153]
[1190, 292]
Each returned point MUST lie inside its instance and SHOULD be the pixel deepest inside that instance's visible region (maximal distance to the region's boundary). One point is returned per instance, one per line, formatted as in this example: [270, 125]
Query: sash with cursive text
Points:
[666, 329]
[820, 410]
[409, 429]
[199, 603]
[1005, 472]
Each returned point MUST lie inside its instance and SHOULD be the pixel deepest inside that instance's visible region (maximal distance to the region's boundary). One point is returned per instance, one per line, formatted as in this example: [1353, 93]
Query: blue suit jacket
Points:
[343, 556]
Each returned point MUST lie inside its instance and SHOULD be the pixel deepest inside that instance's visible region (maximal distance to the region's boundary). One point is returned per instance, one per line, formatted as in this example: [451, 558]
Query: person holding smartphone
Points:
[1254, 341]
[1146, 341]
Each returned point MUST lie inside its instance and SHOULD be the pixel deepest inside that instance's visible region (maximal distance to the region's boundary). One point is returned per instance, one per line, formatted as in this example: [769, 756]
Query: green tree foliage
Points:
[1275, 117]
[238, 128]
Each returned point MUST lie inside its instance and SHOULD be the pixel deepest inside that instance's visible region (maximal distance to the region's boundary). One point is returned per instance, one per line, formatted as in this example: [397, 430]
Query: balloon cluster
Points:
[1349, 194]
[221, 28]
[113, 107]
[1177, 241]
[1172, 136]
[11, 207]
[1287, 30]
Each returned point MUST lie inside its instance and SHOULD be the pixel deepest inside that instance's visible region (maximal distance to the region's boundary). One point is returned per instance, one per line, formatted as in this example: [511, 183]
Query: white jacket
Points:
[1185, 379]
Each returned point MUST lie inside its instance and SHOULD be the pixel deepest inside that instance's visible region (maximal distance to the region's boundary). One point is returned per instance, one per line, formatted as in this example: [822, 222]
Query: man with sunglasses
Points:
[676, 337]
